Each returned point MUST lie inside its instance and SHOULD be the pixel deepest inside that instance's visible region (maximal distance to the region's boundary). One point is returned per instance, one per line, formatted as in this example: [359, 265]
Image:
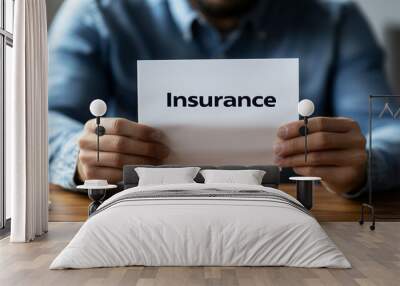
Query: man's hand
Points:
[336, 149]
[125, 142]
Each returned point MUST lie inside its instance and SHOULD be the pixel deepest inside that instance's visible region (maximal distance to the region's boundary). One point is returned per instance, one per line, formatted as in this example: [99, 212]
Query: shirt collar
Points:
[184, 16]
[256, 16]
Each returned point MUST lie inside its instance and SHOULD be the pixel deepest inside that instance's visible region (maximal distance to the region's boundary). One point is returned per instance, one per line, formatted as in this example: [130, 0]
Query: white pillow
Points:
[247, 177]
[166, 176]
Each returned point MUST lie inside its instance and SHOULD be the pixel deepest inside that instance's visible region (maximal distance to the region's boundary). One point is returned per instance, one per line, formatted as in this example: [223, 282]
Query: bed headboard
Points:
[270, 179]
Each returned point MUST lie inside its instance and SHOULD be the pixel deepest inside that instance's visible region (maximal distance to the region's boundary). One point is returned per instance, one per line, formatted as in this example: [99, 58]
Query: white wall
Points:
[384, 16]
[381, 14]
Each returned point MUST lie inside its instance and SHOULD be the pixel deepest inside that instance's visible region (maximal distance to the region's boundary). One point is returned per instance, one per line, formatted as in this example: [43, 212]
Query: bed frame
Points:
[131, 179]
[270, 179]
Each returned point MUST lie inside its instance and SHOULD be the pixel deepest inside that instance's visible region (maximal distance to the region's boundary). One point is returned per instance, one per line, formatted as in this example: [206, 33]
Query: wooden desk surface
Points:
[70, 206]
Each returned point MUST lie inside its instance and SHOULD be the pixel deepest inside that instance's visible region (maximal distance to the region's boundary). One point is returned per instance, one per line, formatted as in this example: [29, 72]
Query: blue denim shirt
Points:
[94, 46]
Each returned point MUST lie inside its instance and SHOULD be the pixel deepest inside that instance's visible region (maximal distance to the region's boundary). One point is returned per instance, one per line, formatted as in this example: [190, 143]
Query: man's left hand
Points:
[336, 149]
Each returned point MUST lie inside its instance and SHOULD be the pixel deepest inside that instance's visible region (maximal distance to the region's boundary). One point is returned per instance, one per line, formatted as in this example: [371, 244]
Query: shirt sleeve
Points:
[359, 72]
[77, 75]
[63, 149]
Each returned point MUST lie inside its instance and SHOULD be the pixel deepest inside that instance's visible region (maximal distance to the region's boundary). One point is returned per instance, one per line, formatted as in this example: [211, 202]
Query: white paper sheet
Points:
[218, 135]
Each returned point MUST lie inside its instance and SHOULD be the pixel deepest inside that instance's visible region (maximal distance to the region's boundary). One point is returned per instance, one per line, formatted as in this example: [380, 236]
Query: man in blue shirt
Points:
[94, 46]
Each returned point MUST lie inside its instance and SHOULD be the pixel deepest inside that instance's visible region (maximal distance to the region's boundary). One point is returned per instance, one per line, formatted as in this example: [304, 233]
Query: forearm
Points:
[386, 157]
[385, 165]
[63, 149]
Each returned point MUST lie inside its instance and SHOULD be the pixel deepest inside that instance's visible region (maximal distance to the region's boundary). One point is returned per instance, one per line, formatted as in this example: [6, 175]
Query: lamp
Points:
[98, 108]
[97, 188]
[305, 184]
[305, 109]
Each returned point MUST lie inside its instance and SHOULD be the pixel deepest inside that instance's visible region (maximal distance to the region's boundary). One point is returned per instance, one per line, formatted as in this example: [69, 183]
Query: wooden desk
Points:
[70, 206]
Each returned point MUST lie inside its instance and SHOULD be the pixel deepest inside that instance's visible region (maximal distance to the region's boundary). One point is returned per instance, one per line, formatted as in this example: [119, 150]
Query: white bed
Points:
[264, 229]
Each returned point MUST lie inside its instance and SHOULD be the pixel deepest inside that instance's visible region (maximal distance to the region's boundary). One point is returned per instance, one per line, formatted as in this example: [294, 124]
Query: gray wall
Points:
[52, 7]
[384, 16]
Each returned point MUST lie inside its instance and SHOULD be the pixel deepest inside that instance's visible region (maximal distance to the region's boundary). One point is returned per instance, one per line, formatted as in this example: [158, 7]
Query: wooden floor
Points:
[375, 257]
[69, 206]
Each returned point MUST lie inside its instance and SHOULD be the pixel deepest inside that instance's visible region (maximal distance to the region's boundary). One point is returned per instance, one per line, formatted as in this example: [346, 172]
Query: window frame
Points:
[6, 39]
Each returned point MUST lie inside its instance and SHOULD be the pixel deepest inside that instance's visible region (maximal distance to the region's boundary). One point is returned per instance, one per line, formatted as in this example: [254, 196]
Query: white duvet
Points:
[200, 231]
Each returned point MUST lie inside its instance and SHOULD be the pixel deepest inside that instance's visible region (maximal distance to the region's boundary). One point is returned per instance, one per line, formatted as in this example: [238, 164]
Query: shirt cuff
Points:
[380, 182]
[358, 193]
[64, 165]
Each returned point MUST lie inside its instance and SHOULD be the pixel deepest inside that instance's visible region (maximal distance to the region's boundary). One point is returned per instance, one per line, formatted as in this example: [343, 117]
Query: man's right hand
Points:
[125, 142]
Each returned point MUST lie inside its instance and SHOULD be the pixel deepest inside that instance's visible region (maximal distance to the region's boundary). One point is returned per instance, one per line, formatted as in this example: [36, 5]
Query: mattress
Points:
[201, 225]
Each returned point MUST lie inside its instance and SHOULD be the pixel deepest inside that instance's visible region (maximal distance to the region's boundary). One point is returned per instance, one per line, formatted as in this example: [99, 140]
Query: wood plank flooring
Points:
[375, 257]
[70, 206]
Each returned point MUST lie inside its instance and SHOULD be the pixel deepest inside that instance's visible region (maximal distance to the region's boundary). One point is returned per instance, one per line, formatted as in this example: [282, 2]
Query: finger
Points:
[325, 158]
[318, 142]
[114, 160]
[125, 127]
[122, 144]
[318, 124]
[112, 175]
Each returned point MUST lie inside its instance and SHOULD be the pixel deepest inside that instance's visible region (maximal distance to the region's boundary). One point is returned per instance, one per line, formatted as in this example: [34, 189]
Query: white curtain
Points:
[26, 127]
